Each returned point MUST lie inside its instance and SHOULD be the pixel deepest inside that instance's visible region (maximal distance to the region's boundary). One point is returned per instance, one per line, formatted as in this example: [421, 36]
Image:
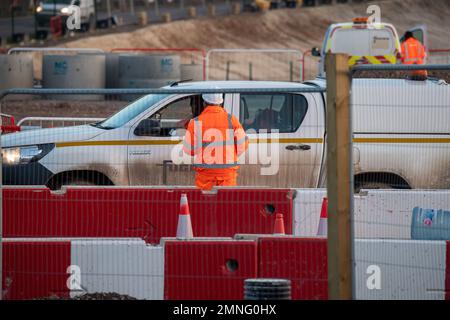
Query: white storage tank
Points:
[16, 71]
[147, 71]
[155, 66]
[74, 71]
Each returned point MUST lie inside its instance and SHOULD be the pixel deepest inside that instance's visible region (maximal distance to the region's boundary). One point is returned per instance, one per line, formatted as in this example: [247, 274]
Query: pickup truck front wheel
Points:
[78, 178]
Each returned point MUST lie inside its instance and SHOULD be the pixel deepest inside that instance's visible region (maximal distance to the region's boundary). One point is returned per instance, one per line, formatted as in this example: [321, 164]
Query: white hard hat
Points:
[213, 98]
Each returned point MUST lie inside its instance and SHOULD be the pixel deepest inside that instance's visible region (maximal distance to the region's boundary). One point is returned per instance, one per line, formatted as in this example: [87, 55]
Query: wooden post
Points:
[339, 178]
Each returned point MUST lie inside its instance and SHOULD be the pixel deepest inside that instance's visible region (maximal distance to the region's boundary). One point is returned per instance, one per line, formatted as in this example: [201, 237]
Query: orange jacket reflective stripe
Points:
[413, 52]
[215, 139]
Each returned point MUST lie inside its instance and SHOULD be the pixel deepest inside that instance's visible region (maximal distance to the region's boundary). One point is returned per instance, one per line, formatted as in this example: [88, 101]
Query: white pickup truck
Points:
[401, 139]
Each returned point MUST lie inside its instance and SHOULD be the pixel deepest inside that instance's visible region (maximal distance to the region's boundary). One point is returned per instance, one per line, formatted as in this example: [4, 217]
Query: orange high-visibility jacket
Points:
[413, 52]
[216, 140]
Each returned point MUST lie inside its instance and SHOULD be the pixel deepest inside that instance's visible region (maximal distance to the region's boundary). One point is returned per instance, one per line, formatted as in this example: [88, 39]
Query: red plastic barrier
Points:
[35, 269]
[56, 26]
[208, 270]
[140, 212]
[302, 260]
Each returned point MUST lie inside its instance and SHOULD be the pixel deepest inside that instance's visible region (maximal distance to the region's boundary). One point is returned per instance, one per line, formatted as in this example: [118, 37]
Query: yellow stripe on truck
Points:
[401, 140]
[282, 140]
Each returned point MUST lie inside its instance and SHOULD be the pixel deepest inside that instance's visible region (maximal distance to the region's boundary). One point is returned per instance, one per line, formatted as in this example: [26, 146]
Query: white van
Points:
[401, 138]
[47, 9]
[365, 43]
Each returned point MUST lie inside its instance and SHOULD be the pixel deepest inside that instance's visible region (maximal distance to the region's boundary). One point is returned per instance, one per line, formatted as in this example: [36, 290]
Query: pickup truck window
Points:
[131, 111]
[177, 114]
[284, 112]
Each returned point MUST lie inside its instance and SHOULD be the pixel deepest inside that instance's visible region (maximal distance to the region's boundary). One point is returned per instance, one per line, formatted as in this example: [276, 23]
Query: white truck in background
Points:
[47, 9]
[365, 43]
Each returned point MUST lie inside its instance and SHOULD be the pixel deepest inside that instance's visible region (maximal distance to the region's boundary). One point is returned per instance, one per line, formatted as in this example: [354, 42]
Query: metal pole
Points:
[339, 179]
[157, 8]
[13, 11]
[132, 7]
[35, 18]
[108, 9]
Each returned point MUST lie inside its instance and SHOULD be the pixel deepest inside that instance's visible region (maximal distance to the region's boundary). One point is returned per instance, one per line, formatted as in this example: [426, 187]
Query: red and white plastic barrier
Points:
[147, 213]
[114, 240]
[217, 268]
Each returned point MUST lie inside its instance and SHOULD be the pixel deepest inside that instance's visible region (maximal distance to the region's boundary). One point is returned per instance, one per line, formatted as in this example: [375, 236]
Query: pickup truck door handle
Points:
[298, 147]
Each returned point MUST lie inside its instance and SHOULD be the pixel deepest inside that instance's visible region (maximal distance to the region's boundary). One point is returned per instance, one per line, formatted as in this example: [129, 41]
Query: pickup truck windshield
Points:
[131, 111]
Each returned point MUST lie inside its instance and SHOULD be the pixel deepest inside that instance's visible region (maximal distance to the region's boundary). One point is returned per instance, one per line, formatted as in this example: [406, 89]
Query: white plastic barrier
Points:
[378, 213]
[127, 266]
[406, 269]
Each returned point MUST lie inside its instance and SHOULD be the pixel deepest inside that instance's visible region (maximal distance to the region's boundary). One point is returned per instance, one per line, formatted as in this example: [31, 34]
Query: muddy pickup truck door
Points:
[285, 140]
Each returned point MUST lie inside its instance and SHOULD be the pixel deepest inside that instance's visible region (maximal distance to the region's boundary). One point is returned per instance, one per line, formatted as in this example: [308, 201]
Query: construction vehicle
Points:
[364, 42]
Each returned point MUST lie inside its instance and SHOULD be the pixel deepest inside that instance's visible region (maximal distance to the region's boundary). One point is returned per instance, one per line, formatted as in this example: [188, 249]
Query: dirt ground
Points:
[94, 296]
[301, 28]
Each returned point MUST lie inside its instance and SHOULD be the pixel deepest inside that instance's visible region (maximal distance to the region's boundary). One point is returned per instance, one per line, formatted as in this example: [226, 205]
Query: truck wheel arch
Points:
[89, 176]
[394, 180]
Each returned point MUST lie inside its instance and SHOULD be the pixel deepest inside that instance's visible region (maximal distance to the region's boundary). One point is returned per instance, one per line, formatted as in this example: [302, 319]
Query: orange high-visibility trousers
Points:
[208, 181]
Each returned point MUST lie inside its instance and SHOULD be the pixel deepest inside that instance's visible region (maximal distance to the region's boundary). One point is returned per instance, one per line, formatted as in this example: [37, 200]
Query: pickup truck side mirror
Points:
[148, 127]
[315, 52]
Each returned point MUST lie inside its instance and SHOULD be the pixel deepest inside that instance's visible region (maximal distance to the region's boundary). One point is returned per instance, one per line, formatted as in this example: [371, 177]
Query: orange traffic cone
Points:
[323, 224]
[278, 229]
[184, 228]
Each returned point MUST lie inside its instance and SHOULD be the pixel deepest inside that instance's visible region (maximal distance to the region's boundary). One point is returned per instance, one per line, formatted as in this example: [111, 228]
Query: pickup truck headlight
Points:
[65, 11]
[25, 154]
[39, 9]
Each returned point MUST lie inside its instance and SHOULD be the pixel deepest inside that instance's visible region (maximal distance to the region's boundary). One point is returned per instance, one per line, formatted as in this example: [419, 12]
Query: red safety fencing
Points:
[8, 124]
[147, 213]
[187, 55]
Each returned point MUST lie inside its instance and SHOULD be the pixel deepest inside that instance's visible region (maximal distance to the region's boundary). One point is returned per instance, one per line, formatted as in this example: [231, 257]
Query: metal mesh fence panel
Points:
[400, 159]
[109, 226]
[254, 64]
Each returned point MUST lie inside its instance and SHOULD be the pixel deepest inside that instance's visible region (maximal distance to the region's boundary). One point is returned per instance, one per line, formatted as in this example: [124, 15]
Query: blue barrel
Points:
[430, 224]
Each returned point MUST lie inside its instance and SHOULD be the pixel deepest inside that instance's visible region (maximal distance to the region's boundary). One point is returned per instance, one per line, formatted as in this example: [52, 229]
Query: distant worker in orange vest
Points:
[215, 139]
[413, 52]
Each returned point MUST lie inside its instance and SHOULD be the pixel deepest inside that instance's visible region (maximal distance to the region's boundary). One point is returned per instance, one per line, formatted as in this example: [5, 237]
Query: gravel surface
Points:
[93, 296]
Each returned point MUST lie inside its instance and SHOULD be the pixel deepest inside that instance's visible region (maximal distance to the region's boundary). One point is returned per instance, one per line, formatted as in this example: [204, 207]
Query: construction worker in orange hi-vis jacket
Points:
[413, 52]
[215, 139]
